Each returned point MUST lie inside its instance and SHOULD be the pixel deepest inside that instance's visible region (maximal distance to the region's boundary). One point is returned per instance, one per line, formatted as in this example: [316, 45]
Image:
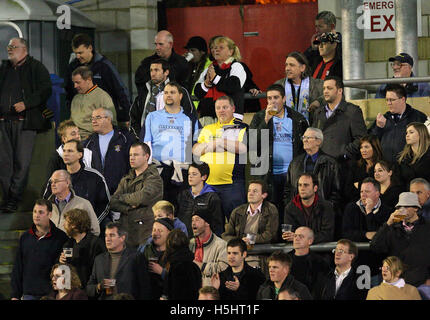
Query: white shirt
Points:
[340, 277]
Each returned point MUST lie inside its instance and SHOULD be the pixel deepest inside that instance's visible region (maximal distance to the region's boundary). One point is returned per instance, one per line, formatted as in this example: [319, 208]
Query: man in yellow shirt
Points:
[223, 146]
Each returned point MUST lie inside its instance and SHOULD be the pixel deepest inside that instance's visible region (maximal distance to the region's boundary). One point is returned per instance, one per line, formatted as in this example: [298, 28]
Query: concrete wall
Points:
[125, 32]
[377, 51]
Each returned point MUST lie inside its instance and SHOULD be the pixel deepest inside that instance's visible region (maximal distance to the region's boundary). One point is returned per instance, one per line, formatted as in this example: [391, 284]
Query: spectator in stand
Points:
[85, 245]
[415, 157]
[308, 267]
[179, 69]
[341, 283]
[110, 148]
[62, 289]
[239, 281]
[406, 235]
[303, 93]
[281, 278]
[164, 209]
[306, 209]
[402, 65]
[288, 294]
[390, 128]
[222, 146]
[67, 130]
[151, 97]
[314, 161]
[209, 251]
[393, 287]
[279, 129]
[137, 192]
[183, 279]
[325, 22]
[208, 293]
[88, 98]
[330, 61]
[371, 152]
[200, 195]
[105, 75]
[390, 187]
[225, 76]
[37, 252]
[421, 187]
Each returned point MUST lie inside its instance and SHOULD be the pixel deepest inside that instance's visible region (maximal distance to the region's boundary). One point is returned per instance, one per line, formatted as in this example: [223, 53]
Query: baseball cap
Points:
[327, 37]
[402, 58]
[198, 43]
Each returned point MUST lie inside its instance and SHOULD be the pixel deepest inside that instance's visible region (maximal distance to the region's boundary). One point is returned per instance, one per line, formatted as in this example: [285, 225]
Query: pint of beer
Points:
[400, 216]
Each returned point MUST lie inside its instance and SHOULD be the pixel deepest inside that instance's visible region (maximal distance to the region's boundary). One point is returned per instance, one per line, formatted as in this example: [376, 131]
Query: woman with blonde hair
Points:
[66, 289]
[393, 287]
[414, 159]
[225, 76]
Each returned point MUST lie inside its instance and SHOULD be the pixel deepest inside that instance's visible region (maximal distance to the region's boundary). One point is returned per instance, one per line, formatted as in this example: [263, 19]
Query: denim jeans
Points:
[231, 195]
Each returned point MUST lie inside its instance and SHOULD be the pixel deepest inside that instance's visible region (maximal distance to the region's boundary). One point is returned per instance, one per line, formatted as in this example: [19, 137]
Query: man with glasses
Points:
[402, 68]
[341, 283]
[110, 148]
[25, 87]
[279, 129]
[314, 161]
[390, 128]
[88, 98]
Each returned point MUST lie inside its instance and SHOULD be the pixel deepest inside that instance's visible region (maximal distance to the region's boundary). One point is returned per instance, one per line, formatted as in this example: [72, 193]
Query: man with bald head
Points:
[25, 87]
[179, 68]
[307, 267]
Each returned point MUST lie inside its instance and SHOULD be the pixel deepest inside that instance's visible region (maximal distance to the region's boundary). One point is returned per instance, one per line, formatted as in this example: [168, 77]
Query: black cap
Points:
[167, 222]
[203, 213]
[328, 37]
[402, 58]
[198, 43]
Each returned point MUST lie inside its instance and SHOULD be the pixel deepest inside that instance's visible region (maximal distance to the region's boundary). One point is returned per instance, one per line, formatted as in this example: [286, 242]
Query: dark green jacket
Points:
[37, 88]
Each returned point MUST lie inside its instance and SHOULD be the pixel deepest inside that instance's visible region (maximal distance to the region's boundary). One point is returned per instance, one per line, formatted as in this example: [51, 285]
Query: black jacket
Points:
[89, 184]
[250, 280]
[393, 135]
[117, 162]
[348, 289]
[321, 219]
[84, 254]
[139, 111]
[419, 169]
[34, 260]
[342, 131]
[132, 275]
[356, 223]
[334, 70]
[36, 89]
[327, 171]
[412, 248]
[107, 78]
[179, 70]
[300, 125]
[267, 289]
[208, 200]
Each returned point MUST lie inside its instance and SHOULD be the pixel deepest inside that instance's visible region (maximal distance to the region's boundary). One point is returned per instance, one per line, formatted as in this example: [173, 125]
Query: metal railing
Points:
[287, 247]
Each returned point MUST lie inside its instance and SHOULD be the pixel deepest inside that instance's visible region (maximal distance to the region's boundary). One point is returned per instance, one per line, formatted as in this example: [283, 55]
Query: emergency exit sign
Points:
[379, 20]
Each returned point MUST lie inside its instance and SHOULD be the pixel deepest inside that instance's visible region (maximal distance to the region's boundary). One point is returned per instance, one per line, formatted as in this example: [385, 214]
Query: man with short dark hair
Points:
[119, 263]
[341, 283]
[421, 187]
[105, 75]
[307, 209]
[38, 251]
[341, 122]
[281, 278]
[402, 65]
[390, 128]
[137, 192]
[239, 281]
[25, 87]
[88, 98]
[200, 195]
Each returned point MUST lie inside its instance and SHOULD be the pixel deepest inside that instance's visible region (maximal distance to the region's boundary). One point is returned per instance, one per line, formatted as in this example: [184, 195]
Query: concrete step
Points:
[8, 250]
[5, 288]
[15, 221]
[11, 235]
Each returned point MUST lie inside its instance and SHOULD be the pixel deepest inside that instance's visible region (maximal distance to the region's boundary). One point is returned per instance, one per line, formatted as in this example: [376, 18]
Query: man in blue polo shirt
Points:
[170, 133]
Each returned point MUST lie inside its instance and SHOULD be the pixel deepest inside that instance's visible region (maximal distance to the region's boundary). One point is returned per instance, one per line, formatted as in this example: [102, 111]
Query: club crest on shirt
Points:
[171, 120]
[117, 148]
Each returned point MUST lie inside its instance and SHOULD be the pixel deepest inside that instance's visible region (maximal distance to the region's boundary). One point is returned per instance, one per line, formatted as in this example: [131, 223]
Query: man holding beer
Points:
[407, 236]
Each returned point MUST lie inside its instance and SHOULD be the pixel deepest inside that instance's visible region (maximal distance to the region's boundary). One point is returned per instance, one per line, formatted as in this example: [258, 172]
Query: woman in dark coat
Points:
[390, 188]
[59, 284]
[184, 278]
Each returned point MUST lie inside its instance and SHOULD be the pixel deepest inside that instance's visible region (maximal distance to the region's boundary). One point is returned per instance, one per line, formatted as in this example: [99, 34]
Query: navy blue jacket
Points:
[117, 156]
[34, 260]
